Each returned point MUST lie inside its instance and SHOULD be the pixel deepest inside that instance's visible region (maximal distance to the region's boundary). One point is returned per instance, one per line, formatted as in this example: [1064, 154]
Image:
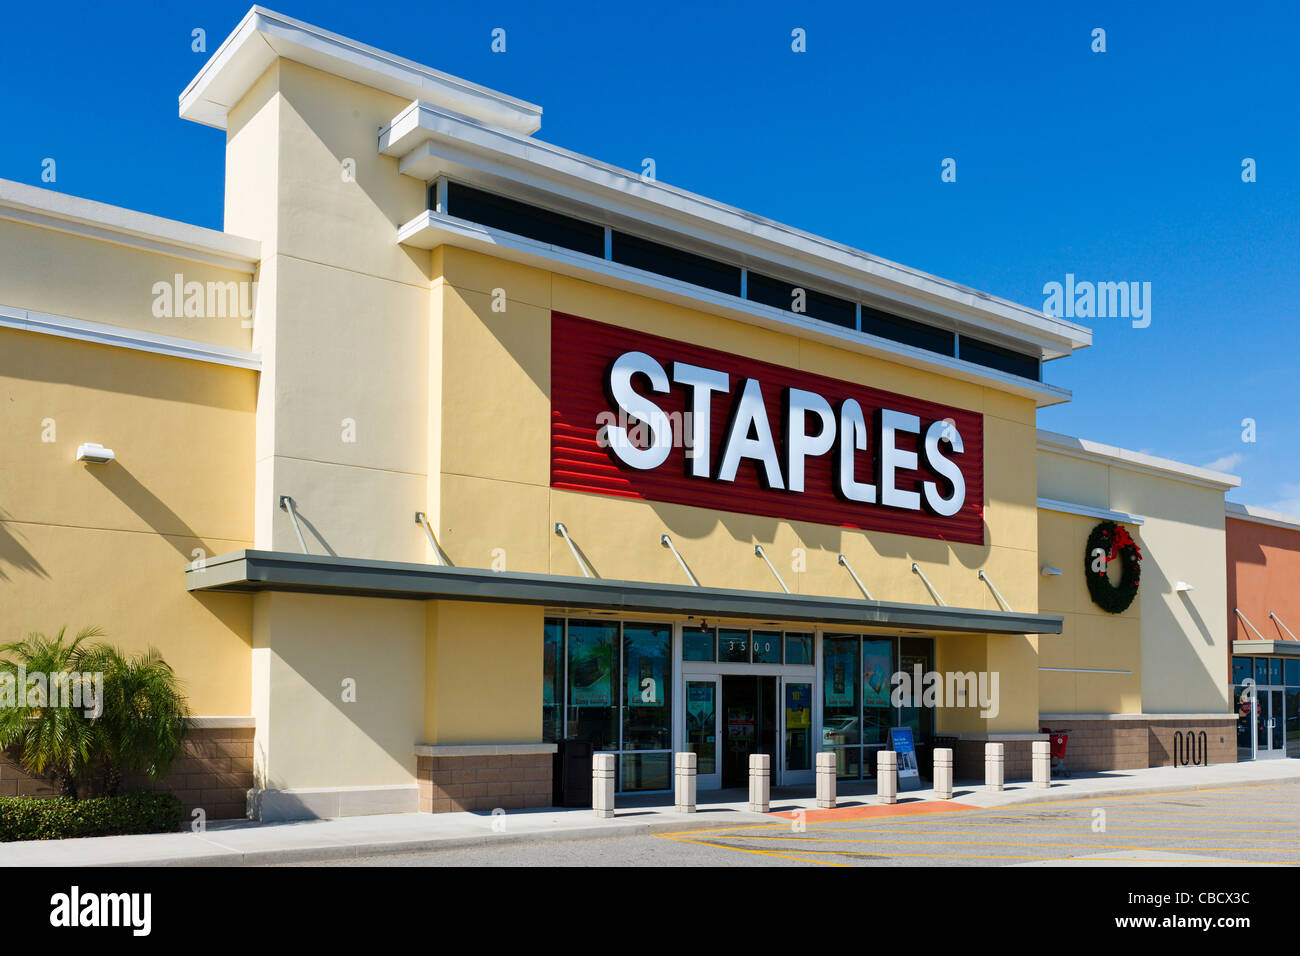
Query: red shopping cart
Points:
[1058, 740]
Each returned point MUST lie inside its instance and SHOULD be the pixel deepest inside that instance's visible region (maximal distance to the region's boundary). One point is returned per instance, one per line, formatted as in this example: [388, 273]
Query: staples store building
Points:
[519, 451]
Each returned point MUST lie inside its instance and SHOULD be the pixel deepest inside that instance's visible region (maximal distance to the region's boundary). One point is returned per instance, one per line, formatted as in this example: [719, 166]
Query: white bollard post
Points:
[887, 776]
[760, 782]
[685, 782]
[602, 785]
[994, 767]
[943, 773]
[826, 781]
[1042, 763]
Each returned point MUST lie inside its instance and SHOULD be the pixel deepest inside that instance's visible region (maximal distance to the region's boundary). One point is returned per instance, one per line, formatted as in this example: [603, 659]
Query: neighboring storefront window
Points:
[1276, 718]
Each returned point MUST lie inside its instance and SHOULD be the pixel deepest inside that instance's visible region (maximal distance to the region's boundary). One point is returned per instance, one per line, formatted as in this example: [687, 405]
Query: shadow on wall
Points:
[306, 524]
[13, 554]
[152, 509]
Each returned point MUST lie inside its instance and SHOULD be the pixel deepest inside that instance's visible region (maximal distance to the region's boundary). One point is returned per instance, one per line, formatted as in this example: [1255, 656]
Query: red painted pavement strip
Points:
[877, 810]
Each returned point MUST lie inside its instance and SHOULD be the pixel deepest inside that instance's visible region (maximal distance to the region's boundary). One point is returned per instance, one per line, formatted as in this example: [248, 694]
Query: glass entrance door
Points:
[796, 732]
[703, 729]
[1273, 743]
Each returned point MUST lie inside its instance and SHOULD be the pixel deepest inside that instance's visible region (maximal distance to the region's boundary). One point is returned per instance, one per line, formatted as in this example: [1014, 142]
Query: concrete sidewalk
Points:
[238, 843]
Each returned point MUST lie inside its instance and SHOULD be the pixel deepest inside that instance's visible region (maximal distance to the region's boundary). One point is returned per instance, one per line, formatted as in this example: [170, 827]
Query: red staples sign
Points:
[641, 416]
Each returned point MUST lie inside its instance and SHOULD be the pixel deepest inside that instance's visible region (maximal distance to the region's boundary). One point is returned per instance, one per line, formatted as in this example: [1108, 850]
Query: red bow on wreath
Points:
[1120, 539]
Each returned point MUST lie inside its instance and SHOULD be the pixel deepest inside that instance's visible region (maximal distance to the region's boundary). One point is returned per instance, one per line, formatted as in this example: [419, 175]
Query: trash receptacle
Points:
[571, 774]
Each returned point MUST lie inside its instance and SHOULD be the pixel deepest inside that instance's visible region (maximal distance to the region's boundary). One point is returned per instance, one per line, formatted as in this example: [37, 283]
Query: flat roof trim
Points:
[1261, 516]
[96, 220]
[1133, 460]
[263, 36]
[563, 174]
[247, 571]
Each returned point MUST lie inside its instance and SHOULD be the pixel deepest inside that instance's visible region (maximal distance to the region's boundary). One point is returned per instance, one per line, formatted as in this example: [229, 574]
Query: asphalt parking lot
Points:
[1232, 826]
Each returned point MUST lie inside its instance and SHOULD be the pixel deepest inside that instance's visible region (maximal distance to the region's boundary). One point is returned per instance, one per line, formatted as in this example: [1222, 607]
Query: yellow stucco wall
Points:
[1175, 643]
[106, 545]
[63, 274]
[1091, 638]
[483, 673]
[309, 734]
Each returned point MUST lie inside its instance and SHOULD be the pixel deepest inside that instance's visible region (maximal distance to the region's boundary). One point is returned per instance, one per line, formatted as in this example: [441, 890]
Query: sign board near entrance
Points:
[643, 416]
[909, 776]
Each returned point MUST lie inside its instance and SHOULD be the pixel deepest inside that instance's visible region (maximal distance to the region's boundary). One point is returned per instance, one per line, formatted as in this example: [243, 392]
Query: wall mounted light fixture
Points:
[93, 452]
[1183, 586]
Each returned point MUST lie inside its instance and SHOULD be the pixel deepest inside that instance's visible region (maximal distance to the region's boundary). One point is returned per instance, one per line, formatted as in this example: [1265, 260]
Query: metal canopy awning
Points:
[251, 571]
[1267, 648]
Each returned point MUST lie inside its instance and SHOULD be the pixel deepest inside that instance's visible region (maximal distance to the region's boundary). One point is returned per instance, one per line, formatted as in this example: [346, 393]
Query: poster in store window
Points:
[840, 676]
[876, 663]
[589, 671]
[646, 669]
[798, 706]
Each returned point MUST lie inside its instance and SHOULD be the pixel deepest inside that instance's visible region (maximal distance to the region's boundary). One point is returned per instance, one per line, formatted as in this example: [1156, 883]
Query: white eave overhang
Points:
[428, 141]
[264, 36]
[1276, 519]
[126, 227]
[1133, 460]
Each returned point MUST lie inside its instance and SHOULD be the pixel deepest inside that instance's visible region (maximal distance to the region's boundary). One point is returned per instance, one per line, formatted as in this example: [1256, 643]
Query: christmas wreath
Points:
[1107, 542]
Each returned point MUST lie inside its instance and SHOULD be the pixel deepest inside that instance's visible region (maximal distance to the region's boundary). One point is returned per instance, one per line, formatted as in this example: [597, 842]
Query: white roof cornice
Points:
[97, 220]
[1262, 516]
[264, 36]
[429, 141]
[1133, 460]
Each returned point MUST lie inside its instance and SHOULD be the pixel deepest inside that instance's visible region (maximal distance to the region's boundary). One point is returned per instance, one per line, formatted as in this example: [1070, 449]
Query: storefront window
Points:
[841, 703]
[1275, 671]
[552, 679]
[1241, 669]
[1261, 670]
[912, 653]
[798, 649]
[877, 666]
[647, 662]
[767, 647]
[1292, 722]
[593, 683]
[733, 646]
[1293, 673]
[1242, 701]
[697, 643]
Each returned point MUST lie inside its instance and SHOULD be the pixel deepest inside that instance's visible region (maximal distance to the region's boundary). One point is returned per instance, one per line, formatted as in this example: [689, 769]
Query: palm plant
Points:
[48, 741]
[144, 718]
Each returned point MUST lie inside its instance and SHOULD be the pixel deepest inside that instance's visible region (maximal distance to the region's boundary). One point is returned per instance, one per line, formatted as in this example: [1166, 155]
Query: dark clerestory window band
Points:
[557, 229]
[782, 295]
[1002, 359]
[523, 219]
[675, 263]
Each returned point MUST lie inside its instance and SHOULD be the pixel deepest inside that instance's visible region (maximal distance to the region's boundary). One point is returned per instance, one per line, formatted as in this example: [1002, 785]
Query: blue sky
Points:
[1115, 166]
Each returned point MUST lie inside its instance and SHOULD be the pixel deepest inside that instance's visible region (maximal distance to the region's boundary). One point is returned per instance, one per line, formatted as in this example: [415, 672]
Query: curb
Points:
[686, 822]
[329, 853]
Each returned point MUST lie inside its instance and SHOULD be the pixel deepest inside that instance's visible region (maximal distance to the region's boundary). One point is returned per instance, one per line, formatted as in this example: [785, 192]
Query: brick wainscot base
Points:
[1137, 741]
[213, 772]
[483, 776]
